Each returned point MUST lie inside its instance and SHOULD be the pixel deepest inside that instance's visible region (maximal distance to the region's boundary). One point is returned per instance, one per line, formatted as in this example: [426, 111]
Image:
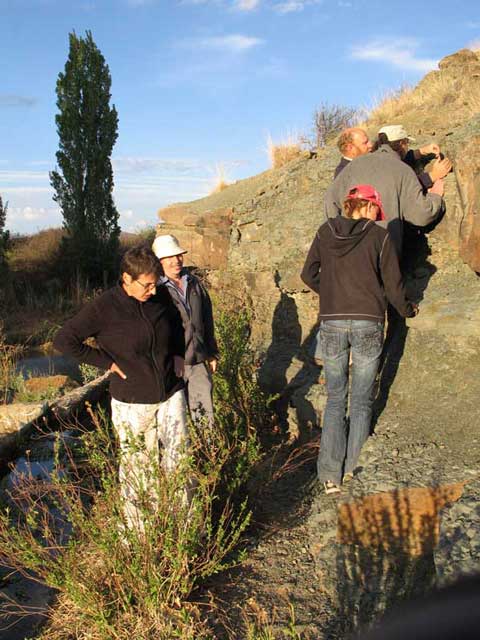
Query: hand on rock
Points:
[213, 364]
[440, 169]
[430, 149]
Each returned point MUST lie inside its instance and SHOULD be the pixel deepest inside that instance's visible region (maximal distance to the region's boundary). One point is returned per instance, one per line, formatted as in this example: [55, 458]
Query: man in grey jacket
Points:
[195, 307]
[399, 188]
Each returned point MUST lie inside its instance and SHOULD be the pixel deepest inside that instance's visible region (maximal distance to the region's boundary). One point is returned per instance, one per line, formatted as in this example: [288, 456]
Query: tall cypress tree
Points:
[83, 180]
[4, 235]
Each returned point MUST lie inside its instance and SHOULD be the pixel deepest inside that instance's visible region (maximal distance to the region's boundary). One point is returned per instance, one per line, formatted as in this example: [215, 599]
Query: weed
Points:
[285, 151]
[390, 105]
[329, 120]
[89, 372]
[220, 181]
[115, 582]
[23, 393]
[9, 378]
[260, 624]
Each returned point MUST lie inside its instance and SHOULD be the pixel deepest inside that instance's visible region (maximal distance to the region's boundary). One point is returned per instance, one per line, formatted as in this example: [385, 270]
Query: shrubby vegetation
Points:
[118, 583]
[9, 378]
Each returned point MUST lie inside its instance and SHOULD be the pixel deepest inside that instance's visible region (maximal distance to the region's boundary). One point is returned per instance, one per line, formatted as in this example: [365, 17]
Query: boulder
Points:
[204, 235]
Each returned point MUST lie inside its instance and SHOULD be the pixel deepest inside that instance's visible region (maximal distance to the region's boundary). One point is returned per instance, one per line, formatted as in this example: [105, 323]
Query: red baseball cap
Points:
[367, 192]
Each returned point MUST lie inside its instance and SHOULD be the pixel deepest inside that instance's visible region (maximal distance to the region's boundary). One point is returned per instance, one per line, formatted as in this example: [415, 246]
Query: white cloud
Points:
[233, 43]
[143, 185]
[246, 5]
[48, 215]
[475, 45]
[281, 7]
[13, 100]
[292, 6]
[142, 164]
[10, 177]
[399, 53]
[239, 5]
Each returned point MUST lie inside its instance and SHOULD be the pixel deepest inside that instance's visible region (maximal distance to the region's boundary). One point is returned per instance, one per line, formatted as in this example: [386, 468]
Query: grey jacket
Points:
[399, 188]
[197, 319]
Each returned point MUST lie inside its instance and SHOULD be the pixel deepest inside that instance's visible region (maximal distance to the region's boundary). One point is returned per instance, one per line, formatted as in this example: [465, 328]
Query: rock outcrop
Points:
[256, 232]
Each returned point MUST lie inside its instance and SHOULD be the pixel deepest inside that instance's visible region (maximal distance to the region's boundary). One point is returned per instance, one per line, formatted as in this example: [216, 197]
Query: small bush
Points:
[36, 253]
[284, 152]
[330, 120]
[89, 372]
[9, 378]
[118, 583]
[220, 181]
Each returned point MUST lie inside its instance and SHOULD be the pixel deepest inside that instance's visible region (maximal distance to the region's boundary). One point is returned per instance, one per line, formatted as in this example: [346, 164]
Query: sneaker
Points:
[330, 487]
[348, 476]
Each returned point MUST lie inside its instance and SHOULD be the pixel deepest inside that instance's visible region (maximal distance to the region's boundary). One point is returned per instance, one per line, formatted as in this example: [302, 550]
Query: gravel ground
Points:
[424, 456]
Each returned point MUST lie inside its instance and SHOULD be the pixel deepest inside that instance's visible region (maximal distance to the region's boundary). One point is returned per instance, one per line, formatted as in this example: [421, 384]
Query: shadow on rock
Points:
[417, 272]
[382, 555]
[290, 371]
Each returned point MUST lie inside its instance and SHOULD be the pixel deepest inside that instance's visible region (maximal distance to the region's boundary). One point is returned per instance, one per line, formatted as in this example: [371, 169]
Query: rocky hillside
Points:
[257, 231]
[410, 519]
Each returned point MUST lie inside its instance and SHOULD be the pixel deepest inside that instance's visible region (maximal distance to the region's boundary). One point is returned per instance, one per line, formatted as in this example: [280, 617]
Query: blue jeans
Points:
[339, 449]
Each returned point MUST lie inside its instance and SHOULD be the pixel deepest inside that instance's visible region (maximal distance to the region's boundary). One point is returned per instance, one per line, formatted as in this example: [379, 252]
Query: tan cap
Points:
[396, 132]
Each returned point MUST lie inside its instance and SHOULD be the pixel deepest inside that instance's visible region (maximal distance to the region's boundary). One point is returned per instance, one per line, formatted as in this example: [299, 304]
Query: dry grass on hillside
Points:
[285, 151]
[390, 105]
[220, 179]
[434, 91]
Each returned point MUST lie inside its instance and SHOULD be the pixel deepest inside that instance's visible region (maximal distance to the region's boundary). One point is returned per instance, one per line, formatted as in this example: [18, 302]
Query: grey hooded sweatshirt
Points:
[353, 266]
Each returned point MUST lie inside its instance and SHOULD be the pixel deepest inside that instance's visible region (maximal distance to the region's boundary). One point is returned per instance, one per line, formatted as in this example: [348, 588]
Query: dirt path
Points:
[426, 435]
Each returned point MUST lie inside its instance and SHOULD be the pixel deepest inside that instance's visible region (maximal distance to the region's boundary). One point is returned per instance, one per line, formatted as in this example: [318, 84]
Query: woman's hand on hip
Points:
[114, 368]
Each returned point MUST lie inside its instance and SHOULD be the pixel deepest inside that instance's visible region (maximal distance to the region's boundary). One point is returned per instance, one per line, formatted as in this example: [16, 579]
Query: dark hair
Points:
[350, 205]
[138, 260]
[382, 139]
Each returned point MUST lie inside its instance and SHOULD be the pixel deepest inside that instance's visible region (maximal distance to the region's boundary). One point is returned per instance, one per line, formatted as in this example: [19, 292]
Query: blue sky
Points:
[200, 84]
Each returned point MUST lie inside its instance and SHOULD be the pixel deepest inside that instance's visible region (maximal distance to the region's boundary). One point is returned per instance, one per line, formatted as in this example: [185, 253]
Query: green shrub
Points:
[89, 372]
[118, 583]
[9, 378]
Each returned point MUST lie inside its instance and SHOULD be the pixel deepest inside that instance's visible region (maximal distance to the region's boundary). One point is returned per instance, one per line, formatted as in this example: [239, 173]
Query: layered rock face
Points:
[256, 233]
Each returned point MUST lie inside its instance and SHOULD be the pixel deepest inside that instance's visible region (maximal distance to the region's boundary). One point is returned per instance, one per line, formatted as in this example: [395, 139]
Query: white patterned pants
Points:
[141, 428]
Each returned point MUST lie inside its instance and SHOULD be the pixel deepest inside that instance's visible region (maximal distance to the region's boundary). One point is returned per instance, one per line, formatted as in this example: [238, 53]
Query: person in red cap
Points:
[353, 265]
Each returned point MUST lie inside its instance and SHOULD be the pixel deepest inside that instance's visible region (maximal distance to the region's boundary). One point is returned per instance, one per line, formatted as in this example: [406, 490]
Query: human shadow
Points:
[285, 342]
[417, 271]
[383, 555]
